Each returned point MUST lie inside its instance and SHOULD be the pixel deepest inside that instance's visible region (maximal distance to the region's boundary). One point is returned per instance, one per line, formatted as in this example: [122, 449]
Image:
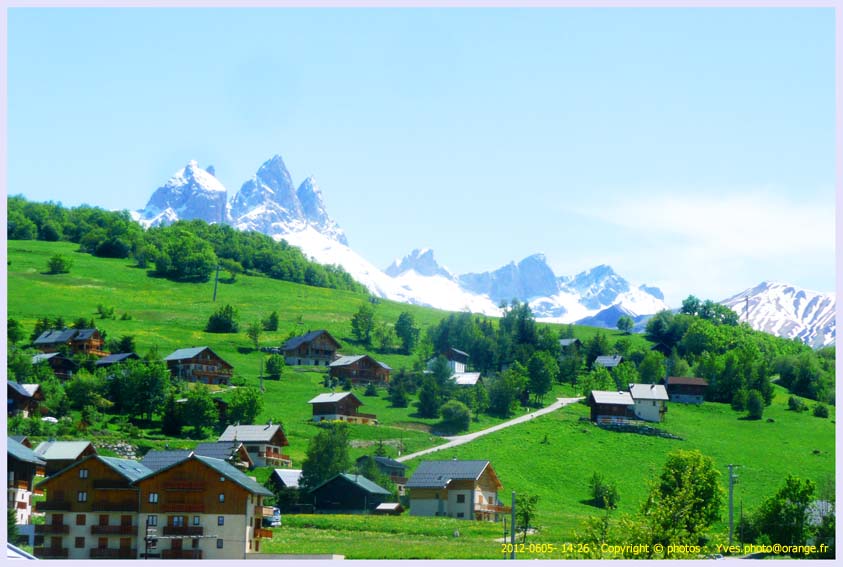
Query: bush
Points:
[58, 264]
[739, 400]
[755, 405]
[603, 494]
[456, 415]
[224, 320]
[274, 366]
[820, 411]
[795, 404]
[371, 390]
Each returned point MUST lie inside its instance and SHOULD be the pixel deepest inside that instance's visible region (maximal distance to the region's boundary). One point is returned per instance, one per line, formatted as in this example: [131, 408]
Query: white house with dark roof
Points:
[650, 401]
[456, 489]
[263, 443]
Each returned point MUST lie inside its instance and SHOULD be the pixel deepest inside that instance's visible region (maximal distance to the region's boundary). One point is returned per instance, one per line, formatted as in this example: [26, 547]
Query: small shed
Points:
[340, 406]
[686, 390]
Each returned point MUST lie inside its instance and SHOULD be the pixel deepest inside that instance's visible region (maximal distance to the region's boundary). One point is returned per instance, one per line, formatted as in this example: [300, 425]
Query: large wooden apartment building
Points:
[108, 508]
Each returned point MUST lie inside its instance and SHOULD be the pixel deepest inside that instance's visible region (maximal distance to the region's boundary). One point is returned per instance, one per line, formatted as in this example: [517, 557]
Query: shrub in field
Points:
[224, 320]
[820, 411]
[58, 264]
[604, 494]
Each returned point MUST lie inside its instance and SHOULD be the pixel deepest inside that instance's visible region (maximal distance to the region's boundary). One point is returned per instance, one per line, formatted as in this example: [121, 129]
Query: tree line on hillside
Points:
[184, 251]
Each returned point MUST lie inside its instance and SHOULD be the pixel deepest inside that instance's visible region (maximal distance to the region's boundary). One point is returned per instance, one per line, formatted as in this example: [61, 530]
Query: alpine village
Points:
[191, 390]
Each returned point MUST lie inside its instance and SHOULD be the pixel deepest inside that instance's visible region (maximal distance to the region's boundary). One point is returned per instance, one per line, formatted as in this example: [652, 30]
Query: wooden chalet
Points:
[611, 407]
[199, 364]
[316, 348]
[686, 390]
[62, 366]
[397, 472]
[361, 369]
[23, 399]
[203, 508]
[113, 359]
[78, 341]
[457, 489]
[232, 452]
[348, 494]
[263, 443]
[340, 406]
[23, 466]
[61, 454]
[91, 511]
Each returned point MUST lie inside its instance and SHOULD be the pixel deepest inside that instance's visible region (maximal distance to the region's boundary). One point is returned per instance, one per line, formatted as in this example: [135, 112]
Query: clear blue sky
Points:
[690, 149]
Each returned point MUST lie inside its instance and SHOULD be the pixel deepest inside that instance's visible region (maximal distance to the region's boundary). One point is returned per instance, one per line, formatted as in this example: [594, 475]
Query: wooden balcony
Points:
[111, 553]
[182, 507]
[42, 529]
[125, 506]
[185, 485]
[264, 533]
[264, 511]
[57, 505]
[50, 552]
[184, 530]
[112, 484]
[114, 530]
[492, 508]
[181, 554]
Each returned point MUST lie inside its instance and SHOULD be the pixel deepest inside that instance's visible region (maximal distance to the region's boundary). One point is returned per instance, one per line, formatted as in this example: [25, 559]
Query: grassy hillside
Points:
[552, 456]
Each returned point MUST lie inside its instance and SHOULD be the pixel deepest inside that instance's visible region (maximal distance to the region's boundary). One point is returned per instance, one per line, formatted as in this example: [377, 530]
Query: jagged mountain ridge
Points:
[788, 311]
[268, 202]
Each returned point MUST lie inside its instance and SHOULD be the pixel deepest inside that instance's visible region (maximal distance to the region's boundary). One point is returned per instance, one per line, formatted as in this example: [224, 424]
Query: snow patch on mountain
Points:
[788, 311]
[420, 261]
[191, 193]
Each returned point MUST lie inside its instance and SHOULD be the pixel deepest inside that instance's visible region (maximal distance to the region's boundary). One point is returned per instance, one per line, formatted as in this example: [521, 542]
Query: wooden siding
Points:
[363, 370]
[66, 487]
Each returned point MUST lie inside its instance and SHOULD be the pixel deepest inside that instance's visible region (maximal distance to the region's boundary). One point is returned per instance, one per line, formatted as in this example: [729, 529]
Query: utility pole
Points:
[260, 373]
[216, 281]
[512, 528]
[732, 479]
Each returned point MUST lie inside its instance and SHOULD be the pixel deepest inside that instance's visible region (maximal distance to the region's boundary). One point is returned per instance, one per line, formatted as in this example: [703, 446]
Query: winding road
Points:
[463, 439]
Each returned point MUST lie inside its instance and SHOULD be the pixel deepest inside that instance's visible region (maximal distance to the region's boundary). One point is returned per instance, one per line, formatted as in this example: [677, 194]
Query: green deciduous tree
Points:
[542, 368]
[254, 331]
[58, 264]
[199, 410]
[625, 324]
[244, 405]
[429, 402]
[224, 320]
[525, 511]
[327, 455]
[506, 389]
[275, 366]
[363, 323]
[407, 331]
[14, 331]
[652, 368]
[784, 516]
[455, 415]
[604, 494]
[754, 405]
[270, 323]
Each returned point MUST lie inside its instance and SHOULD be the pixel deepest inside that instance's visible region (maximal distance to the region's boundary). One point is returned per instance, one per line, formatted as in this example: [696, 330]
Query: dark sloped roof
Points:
[219, 450]
[569, 342]
[333, 397]
[23, 453]
[84, 334]
[129, 469]
[437, 474]
[53, 336]
[295, 342]
[608, 361]
[157, 460]
[116, 358]
[385, 461]
[348, 360]
[234, 474]
[359, 480]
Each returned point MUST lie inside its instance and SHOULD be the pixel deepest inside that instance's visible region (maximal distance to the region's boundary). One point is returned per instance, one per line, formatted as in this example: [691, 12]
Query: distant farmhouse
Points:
[340, 406]
[686, 390]
[361, 369]
[316, 348]
[647, 402]
[23, 399]
[456, 489]
[263, 443]
[118, 358]
[199, 364]
[608, 361]
[62, 366]
[650, 401]
[78, 341]
[458, 363]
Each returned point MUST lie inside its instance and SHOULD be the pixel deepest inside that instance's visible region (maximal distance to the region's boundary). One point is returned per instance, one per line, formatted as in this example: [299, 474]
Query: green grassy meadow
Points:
[552, 456]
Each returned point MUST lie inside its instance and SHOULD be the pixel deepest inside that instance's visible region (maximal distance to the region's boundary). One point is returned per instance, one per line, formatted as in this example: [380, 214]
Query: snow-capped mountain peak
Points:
[788, 311]
[191, 193]
[421, 261]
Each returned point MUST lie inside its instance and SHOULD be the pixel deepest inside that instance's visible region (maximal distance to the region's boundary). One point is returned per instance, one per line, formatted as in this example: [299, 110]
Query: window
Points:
[178, 521]
[220, 520]
[80, 519]
[83, 473]
[152, 520]
[195, 520]
[219, 544]
[460, 515]
[222, 497]
[80, 542]
[153, 498]
[81, 496]
[460, 498]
